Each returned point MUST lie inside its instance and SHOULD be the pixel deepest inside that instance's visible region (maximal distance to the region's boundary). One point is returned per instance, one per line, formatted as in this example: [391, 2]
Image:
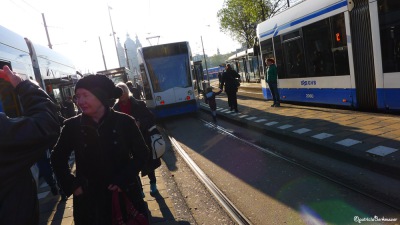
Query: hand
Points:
[10, 76]
[113, 187]
[78, 191]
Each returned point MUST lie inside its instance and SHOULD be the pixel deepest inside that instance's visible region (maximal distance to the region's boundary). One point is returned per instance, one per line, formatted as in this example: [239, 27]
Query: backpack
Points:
[157, 142]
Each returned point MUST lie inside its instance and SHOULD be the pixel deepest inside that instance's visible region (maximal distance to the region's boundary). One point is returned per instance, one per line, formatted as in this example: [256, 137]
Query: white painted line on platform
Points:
[235, 114]
[251, 118]
[271, 123]
[301, 131]
[348, 142]
[228, 112]
[260, 120]
[224, 110]
[382, 150]
[284, 127]
[242, 116]
[43, 194]
[219, 109]
[322, 136]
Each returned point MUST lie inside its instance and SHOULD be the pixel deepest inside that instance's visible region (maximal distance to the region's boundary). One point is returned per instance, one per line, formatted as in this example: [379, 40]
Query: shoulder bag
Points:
[134, 217]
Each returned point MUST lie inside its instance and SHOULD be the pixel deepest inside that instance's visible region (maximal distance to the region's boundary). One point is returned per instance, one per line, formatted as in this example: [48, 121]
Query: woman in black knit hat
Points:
[109, 153]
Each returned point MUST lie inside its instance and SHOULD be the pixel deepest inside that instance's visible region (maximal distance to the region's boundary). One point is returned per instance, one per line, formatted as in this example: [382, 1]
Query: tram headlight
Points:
[190, 92]
[158, 98]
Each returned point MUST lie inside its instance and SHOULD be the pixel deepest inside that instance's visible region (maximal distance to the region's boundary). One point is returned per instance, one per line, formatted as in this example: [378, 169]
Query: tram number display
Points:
[309, 95]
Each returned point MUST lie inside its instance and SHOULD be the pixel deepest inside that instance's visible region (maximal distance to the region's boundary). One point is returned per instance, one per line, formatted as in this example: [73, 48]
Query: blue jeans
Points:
[273, 87]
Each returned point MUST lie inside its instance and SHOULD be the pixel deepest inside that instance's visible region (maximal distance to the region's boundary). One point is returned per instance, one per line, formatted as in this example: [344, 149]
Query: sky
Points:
[75, 26]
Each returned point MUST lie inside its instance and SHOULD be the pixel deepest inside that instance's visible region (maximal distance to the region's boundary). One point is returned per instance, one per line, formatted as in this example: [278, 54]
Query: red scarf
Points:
[126, 107]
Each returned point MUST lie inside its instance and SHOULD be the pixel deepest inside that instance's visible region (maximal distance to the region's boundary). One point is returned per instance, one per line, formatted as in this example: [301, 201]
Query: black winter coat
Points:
[111, 152]
[229, 81]
[23, 141]
[146, 119]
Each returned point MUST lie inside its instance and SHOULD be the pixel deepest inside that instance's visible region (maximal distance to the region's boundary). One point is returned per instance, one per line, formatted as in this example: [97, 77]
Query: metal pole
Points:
[127, 57]
[102, 53]
[205, 61]
[113, 33]
[47, 32]
[288, 3]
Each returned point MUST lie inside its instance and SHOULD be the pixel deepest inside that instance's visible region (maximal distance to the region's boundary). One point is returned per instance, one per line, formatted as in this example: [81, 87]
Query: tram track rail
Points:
[230, 208]
[215, 191]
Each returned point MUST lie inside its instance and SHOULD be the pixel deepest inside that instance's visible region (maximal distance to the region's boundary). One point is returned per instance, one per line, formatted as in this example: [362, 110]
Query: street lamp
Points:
[205, 61]
[113, 33]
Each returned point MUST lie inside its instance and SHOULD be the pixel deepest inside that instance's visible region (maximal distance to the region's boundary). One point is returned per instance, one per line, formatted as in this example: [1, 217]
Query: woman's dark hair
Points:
[271, 60]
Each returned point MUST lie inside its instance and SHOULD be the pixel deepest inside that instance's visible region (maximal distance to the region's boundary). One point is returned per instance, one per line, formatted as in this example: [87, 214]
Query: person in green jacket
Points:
[272, 80]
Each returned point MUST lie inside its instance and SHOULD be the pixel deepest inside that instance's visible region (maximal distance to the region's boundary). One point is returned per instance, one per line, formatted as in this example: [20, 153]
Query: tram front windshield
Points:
[169, 72]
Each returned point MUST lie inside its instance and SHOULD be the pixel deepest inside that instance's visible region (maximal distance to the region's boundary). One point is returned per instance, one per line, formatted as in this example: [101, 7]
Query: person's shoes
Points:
[153, 189]
[63, 196]
[278, 105]
[54, 190]
[236, 111]
[273, 105]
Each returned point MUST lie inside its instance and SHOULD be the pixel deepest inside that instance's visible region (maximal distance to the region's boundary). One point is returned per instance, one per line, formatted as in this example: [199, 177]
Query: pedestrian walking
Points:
[134, 90]
[272, 81]
[145, 120]
[210, 100]
[69, 107]
[231, 81]
[109, 152]
[46, 171]
[23, 141]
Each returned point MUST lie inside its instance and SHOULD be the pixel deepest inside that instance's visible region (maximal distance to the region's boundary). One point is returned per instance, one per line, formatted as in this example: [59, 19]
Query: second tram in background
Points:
[336, 52]
[168, 81]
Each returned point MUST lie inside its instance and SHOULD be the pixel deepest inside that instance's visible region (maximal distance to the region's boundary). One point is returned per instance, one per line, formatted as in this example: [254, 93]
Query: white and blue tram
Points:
[168, 81]
[54, 72]
[213, 72]
[336, 52]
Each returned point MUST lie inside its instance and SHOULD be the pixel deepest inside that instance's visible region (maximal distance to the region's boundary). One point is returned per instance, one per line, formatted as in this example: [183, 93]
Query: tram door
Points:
[198, 75]
[9, 103]
[361, 36]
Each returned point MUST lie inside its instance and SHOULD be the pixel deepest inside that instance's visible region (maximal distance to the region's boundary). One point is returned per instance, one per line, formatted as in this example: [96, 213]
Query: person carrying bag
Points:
[123, 211]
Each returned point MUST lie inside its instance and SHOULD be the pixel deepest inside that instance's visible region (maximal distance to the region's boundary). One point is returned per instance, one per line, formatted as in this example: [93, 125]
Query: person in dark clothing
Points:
[271, 76]
[219, 78]
[69, 107]
[145, 120]
[109, 153]
[140, 89]
[46, 172]
[210, 100]
[230, 79]
[23, 140]
[134, 90]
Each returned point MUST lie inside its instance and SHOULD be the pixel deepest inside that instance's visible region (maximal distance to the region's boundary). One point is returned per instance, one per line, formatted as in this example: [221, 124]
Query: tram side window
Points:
[279, 59]
[317, 43]
[339, 37]
[389, 23]
[294, 55]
